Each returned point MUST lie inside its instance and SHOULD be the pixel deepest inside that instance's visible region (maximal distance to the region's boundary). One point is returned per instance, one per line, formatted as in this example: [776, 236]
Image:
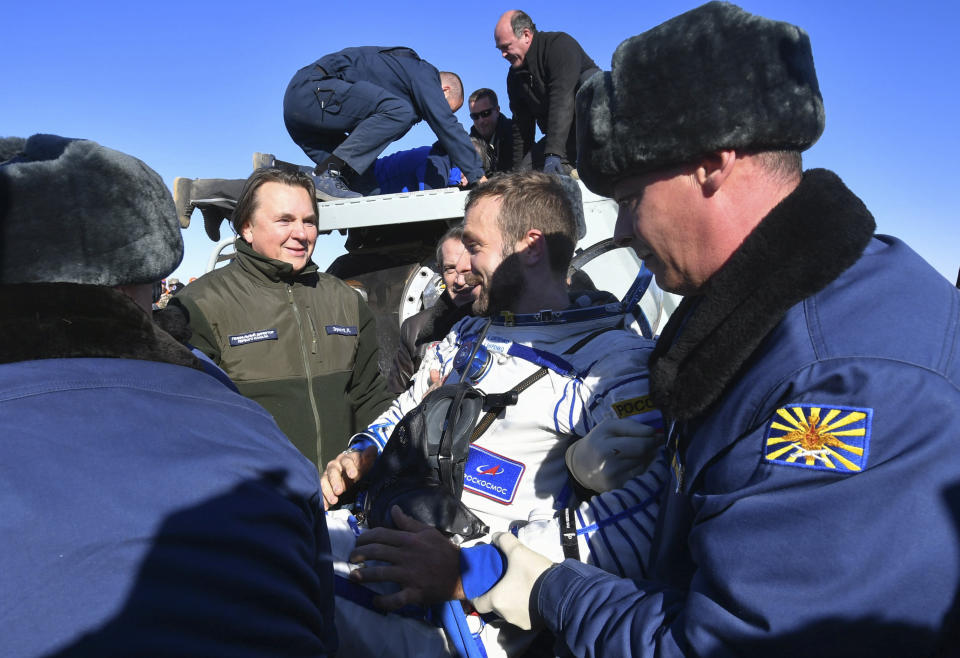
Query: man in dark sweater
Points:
[296, 340]
[546, 70]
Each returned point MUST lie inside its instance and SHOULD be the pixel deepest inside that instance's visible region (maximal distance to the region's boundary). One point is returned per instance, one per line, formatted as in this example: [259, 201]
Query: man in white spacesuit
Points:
[519, 235]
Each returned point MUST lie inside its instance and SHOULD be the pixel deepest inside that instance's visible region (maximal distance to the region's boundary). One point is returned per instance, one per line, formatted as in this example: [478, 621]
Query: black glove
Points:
[553, 164]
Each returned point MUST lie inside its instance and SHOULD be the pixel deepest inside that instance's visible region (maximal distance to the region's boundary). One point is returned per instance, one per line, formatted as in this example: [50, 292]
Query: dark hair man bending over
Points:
[812, 506]
[546, 70]
[347, 107]
[300, 342]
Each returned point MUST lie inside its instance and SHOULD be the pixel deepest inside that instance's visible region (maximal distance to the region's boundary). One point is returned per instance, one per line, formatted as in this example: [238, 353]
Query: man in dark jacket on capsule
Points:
[546, 70]
[344, 109]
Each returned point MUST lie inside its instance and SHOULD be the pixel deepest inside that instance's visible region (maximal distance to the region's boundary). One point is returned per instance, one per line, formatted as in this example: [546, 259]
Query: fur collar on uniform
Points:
[69, 320]
[806, 241]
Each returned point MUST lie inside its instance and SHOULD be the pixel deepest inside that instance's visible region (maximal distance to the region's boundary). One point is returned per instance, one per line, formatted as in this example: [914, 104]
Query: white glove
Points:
[612, 452]
[542, 535]
[510, 597]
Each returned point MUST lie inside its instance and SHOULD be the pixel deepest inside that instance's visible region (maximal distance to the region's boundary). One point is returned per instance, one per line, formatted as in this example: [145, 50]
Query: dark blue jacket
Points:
[815, 501]
[402, 73]
[423, 168]
[145, 508]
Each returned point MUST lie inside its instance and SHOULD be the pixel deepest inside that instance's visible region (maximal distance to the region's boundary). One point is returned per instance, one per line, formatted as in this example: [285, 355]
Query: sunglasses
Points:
[482, 114]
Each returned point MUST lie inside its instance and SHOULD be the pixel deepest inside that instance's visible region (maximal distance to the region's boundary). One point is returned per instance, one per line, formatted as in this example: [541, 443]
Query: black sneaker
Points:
[331, 186]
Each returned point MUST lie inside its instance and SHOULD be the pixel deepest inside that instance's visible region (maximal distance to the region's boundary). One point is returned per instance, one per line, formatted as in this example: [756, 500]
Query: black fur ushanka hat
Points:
[76, 212]
[713, 78]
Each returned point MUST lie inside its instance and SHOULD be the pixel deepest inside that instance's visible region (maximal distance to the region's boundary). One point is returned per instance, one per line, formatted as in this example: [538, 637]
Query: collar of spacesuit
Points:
[549, 317]
[585, 305]
[804, 243]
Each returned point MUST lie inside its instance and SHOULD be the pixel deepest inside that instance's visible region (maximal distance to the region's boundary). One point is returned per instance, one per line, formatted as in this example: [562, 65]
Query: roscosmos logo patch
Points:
[491, 475]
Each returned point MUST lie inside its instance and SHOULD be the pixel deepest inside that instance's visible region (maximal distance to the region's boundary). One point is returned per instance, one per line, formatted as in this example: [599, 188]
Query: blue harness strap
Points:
[541, 358]
[454, 622]
[638, 288]
[632, 299]
[546, 317]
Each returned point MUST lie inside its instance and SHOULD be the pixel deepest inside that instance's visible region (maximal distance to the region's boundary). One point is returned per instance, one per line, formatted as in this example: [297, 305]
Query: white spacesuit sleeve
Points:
[611, 381]
[613, 529]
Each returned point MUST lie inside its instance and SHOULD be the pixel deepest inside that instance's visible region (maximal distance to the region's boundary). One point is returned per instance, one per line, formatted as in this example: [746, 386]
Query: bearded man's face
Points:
[492, 267]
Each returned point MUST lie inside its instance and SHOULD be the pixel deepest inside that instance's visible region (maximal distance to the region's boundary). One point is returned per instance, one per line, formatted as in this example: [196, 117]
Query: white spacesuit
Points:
[596, 371]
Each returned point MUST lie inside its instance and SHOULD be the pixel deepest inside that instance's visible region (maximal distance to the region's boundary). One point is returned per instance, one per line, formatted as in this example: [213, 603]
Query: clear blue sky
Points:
[194, 88]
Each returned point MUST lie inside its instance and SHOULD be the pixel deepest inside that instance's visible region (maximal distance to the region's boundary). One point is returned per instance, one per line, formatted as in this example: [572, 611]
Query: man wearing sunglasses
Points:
[496, 130]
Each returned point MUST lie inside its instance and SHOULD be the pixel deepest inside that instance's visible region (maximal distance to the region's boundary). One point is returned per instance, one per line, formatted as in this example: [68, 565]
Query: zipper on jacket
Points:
[313, 329]
[309, 373]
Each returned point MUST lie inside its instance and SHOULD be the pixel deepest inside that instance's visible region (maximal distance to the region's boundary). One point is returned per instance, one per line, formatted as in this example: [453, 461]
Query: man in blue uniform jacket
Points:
[813, 402]
[147, 507]
[344, 109]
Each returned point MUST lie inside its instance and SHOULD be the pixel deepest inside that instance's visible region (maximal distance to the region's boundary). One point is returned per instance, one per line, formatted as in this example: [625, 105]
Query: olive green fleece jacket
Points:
[303, 345]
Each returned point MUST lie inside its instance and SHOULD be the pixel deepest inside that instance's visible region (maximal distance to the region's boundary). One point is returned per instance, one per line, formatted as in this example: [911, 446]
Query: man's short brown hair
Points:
[247, 201]
[786, 165]
[483, 92]
[533, 200]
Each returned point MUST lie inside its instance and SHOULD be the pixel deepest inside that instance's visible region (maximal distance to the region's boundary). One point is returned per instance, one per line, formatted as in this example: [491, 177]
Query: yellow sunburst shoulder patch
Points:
[822, 437]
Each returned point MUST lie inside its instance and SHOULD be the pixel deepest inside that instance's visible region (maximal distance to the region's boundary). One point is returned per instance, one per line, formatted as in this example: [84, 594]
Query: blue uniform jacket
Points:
[416, 80]
[422, 168]
[146, 508]
[813, 507]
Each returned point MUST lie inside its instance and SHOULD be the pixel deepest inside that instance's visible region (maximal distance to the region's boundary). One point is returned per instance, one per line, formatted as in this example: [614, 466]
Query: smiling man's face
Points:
[658, 218]
[283, 225]
[454, 269]
[513, 48]
[500, 279]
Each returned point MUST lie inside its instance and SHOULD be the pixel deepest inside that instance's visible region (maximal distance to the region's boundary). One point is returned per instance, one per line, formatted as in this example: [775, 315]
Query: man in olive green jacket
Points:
[300, 342]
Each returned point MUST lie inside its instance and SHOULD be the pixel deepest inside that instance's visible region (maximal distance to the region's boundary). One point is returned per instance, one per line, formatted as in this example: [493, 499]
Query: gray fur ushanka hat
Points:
[76, 212]
[713, 78]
